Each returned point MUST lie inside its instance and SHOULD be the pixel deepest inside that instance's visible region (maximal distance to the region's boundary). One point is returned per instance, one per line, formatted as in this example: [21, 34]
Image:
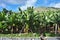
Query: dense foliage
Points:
[28, 20]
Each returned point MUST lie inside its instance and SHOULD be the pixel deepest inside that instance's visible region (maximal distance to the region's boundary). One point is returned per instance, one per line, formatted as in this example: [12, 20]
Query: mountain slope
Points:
[40, 9]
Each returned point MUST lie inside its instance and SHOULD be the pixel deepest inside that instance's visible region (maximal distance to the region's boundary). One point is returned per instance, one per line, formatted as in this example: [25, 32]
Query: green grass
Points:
[52, 35]
[20, 35]
[28, 35]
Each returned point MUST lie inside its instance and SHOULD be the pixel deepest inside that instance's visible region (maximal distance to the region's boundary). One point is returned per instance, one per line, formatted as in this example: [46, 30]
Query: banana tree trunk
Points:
[17, 29]
[12, 30]
[26, 28]
[56, 26]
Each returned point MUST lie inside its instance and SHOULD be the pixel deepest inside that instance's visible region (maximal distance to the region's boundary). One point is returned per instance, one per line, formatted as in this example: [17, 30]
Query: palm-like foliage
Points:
[28, 19]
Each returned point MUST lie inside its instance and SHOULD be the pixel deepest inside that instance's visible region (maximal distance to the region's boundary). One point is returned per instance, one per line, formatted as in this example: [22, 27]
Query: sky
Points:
[23, 4]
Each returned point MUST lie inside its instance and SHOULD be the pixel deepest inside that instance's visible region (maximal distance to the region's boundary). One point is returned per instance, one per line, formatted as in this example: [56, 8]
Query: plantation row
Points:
[28, 21]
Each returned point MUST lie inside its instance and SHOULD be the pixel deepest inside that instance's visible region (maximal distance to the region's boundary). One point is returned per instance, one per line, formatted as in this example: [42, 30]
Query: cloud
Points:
[15, 1]
[22, 3]
[3, 5]
[29, 3]
[56, 5]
